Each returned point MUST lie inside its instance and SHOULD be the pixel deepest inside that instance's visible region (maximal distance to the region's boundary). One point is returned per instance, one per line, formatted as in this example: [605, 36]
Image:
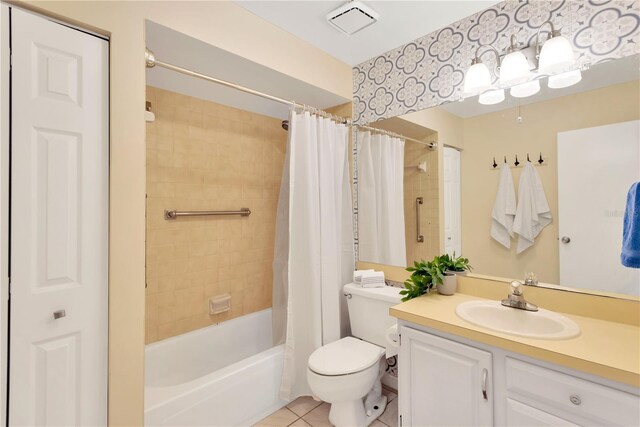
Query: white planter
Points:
[458, 273]
[449, 284]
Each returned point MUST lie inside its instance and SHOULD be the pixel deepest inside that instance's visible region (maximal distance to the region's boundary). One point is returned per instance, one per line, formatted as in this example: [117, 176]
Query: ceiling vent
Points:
[352, 17]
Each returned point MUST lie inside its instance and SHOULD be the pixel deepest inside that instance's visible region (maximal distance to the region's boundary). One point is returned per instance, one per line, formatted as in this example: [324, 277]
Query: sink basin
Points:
[541, 324]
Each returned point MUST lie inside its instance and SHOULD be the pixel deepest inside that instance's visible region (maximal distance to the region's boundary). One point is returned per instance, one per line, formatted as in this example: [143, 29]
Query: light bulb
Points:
[514, 69]
[564, 79]
[556, 56]
[477, 79]
[492, 97]
[525, 89]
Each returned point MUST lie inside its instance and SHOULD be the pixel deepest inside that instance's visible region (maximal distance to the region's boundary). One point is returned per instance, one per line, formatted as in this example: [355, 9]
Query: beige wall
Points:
[222, 24]
[207, 156]
[498, 134]
[342, 110]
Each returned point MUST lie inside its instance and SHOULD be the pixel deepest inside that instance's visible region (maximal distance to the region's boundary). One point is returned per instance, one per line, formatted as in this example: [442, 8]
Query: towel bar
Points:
[170, 214]
[419, 237]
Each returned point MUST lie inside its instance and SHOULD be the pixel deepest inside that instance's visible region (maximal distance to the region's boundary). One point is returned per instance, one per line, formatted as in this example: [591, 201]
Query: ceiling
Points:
[400, 22]
[179, 49]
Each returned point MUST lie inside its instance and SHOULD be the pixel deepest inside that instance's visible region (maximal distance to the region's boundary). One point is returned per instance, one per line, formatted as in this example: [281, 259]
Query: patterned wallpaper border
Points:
[430, 70]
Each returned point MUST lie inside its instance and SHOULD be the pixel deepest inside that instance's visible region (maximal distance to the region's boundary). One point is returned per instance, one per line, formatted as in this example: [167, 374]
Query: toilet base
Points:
[352, 413]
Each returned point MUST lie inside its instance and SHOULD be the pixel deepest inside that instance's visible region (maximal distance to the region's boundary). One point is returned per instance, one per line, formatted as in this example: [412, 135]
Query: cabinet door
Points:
[442, 382]
[519, 414]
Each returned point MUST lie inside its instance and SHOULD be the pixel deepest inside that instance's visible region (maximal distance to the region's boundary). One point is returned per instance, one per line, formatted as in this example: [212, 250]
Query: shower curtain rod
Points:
[430, 145]
[151, 61]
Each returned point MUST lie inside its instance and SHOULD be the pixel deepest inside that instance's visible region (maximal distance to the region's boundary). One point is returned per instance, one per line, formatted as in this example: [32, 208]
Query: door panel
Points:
[441, 382]
[596, 167]
[59, 229]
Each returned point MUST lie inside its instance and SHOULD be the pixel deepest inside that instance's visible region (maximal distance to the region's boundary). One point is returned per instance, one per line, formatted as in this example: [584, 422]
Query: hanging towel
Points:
[532, 213]
[504, 208]
[631, 229]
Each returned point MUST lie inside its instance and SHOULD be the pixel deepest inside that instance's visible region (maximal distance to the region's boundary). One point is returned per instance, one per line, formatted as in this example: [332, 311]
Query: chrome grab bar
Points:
[170, 214]
[419, 237]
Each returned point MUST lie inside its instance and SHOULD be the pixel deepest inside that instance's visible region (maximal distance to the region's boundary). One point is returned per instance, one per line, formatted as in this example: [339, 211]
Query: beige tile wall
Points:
[425, 185]
[203, 155]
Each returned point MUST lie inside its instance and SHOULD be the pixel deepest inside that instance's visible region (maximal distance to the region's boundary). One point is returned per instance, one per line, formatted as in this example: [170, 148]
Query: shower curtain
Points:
[381, 231]
[314, 245]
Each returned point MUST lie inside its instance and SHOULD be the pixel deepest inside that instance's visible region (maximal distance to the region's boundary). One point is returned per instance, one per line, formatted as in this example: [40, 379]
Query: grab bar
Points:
[419, 237]
[170, 214]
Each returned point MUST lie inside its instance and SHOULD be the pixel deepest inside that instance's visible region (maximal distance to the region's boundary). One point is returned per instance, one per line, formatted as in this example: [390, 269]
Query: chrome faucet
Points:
[516, 298]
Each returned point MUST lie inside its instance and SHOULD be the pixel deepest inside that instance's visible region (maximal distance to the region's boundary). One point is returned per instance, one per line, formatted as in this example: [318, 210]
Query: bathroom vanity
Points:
[456, 373]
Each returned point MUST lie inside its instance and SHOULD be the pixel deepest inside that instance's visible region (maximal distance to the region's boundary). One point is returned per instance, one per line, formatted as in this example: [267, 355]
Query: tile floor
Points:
[305, 412]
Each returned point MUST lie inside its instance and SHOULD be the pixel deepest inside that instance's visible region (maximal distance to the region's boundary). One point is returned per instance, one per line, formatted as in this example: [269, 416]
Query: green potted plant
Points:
[420, 282]
[456, 264]
[441, 272]
[452, 267]
[424, 276]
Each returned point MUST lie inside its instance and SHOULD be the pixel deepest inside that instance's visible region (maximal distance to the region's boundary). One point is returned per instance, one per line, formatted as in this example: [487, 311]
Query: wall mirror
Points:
[584, 143]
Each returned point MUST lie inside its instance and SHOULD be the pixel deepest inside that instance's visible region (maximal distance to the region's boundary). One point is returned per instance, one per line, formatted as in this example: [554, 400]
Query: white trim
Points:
[5, 54]
[56, 20]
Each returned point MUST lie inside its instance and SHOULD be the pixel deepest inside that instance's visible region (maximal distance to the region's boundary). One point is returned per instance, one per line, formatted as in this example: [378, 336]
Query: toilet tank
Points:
[369, 311]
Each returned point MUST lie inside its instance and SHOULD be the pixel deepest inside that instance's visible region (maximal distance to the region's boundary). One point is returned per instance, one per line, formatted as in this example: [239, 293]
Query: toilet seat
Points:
[346, 356]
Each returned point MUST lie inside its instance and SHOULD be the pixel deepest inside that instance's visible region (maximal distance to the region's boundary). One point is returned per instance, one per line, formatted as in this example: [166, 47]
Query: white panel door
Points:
[452, 239]
[596, 167]
[59, 224]
[442, 382]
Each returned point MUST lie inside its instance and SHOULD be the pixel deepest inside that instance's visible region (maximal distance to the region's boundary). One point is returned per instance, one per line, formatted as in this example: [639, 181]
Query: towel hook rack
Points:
[541, 161]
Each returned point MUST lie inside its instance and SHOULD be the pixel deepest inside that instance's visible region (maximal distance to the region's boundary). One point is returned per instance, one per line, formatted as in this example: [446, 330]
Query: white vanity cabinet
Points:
[449, 380]
[443, 382]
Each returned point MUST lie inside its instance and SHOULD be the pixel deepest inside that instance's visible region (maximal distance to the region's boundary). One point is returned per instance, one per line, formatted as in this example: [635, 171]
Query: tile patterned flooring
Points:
[306, 412]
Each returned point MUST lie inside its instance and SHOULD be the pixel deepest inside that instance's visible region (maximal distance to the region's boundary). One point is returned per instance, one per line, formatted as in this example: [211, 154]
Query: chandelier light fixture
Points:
[478, 77]
[520, 70]
[565, 79]
[515, 66]
[491, 97]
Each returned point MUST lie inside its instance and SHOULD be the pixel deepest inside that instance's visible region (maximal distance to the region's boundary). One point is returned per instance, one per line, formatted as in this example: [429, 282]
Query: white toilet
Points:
[347, 372]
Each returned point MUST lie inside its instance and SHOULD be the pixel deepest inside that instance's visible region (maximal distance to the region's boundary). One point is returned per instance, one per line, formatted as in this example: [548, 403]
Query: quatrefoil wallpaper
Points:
[430, 70]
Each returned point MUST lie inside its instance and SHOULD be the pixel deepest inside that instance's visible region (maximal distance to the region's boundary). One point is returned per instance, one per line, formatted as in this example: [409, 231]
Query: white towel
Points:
[357, 275]
[373, 279]
[504, 208]
[532, 213]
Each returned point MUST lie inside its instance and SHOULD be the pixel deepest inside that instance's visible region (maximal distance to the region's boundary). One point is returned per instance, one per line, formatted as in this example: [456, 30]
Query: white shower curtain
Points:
[314, 245]
[381, 231]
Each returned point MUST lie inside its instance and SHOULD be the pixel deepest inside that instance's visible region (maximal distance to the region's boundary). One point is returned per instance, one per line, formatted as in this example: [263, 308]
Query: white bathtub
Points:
[224, 375]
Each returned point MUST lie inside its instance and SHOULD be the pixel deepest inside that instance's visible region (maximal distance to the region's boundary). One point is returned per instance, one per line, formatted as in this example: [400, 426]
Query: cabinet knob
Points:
[565, 239]
[575, 399]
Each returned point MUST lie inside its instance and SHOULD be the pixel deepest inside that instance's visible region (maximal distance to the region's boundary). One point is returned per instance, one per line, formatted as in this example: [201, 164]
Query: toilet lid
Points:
[346, 356]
